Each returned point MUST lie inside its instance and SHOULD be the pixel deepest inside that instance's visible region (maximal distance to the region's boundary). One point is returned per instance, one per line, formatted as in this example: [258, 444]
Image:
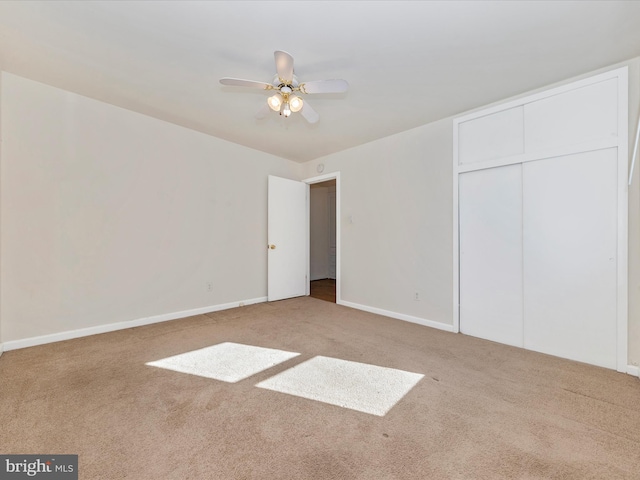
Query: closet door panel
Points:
[497, 135]
[569, 254]
[490, 216]
[572, 118]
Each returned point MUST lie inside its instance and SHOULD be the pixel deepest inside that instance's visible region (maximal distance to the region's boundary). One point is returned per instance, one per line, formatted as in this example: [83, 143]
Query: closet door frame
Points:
[620, 142]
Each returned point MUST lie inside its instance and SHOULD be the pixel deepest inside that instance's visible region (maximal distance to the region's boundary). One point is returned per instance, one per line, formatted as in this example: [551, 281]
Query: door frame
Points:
[309, 181]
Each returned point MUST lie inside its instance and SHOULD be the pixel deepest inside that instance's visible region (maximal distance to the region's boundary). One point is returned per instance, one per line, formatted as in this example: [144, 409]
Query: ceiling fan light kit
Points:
[284, 100]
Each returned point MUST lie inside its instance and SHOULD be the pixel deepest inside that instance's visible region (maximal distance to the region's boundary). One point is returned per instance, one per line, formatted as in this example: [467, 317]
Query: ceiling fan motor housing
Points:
[276, 82]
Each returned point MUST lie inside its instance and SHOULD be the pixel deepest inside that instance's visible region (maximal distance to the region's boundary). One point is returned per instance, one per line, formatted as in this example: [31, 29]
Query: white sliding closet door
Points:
[490, 206]
[540, 228]
[569, 252]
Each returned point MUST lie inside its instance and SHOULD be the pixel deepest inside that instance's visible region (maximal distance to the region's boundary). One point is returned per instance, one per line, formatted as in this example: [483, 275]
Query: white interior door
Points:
[287, 238]
[570, 265]
[490, 213]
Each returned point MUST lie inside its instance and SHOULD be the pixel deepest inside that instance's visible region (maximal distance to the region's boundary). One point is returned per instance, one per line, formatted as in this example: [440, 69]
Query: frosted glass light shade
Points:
[274, 102]
[295, 103]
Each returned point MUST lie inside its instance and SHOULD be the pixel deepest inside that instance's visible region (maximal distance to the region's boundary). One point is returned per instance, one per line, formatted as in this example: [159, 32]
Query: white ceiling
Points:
[407, 63]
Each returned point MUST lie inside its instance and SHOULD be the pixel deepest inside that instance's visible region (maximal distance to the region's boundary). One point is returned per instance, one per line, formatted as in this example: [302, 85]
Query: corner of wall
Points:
[219, 191]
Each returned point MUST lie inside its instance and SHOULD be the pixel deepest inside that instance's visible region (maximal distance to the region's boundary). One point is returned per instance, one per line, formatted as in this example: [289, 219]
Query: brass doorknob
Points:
[272, 247]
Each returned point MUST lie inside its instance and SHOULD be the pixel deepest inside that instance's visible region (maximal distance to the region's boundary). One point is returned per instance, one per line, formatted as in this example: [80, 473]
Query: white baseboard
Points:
[633, 370]
[399, 316]
[111, 327]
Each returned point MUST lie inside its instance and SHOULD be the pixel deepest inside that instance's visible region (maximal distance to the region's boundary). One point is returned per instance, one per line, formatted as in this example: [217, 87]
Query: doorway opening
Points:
[322, 240]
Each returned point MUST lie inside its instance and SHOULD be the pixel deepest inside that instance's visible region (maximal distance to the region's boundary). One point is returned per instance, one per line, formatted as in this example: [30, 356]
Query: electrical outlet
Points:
[209, 287]
[416, 296]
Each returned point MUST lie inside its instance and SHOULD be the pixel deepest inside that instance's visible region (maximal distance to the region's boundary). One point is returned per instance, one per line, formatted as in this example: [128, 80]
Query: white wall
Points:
[399, 192]
[109, 215]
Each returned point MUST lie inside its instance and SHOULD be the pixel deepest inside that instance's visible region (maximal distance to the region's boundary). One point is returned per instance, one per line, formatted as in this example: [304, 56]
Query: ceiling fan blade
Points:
[324, 86]
[309, 114]
[263, 112]
[284, 66]
[239, 82]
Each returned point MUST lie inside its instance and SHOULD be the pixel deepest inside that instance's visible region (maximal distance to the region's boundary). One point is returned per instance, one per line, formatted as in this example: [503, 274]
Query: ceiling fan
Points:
[287, 89]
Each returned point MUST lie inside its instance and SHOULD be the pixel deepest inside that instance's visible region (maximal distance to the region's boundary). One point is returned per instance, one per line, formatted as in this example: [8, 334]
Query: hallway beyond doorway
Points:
[324, 289]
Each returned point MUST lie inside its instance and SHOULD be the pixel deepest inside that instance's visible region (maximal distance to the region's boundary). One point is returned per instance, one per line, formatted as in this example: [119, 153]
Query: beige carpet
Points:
[481, 411]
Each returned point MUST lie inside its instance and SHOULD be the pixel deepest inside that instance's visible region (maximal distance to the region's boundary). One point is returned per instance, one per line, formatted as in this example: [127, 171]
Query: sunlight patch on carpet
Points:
[229, 362]
[357, 386]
